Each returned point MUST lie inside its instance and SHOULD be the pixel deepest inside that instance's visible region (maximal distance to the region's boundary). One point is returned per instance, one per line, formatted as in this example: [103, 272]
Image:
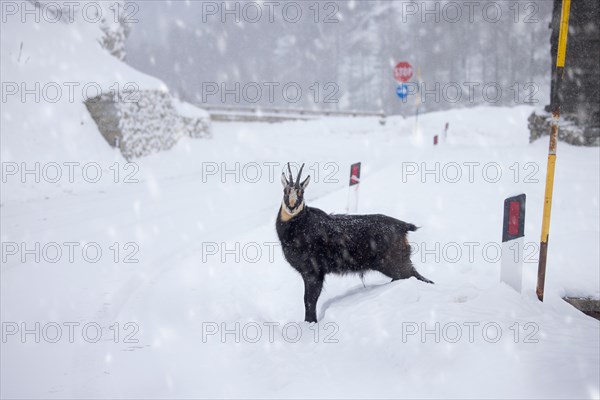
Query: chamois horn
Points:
[290, 172]
[299, 174]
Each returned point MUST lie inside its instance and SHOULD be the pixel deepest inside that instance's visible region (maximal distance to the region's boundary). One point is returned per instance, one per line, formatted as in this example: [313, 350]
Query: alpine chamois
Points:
[316, 243]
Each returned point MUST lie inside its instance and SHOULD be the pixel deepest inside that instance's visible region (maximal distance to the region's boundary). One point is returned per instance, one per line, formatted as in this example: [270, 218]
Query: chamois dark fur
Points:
[316, 243]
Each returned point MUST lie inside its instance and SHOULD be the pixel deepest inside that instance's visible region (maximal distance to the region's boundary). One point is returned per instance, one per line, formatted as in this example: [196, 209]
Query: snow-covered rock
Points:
[146, 122]
[569, 130]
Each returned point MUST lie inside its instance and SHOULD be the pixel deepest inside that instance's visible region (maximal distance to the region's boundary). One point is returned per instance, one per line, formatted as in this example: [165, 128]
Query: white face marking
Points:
[293, 197]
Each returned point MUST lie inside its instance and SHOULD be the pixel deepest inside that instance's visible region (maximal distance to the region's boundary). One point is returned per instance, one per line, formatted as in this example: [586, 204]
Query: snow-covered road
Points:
[206, 306]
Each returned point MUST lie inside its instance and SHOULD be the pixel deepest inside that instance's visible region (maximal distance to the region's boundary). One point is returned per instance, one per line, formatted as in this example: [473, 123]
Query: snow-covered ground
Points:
[183, 220]
[174, 258]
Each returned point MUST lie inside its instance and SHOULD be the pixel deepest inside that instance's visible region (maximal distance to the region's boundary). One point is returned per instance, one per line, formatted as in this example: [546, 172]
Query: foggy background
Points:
[341, 54]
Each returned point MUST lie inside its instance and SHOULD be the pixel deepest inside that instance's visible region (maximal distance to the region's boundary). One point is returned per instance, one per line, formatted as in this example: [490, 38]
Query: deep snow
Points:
[179, 215]
[179, 220]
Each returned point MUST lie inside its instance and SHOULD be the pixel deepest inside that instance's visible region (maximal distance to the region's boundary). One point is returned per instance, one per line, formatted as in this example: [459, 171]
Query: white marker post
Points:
[353, 188]
[513, 232]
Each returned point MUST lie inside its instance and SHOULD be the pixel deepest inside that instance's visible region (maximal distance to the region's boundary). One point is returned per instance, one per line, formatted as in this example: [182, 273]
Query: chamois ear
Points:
[305, 183]
[284, 180]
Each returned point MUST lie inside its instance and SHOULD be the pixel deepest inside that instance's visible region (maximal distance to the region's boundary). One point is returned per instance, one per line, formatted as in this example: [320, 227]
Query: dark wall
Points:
[580, 91]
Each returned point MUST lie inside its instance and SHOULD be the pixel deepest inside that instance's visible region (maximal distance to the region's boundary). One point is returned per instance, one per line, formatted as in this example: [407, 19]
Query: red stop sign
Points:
[403, 71]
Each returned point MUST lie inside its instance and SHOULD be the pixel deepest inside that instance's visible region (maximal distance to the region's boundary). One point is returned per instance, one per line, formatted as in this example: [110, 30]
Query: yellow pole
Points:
[559, 71]
[417, 100]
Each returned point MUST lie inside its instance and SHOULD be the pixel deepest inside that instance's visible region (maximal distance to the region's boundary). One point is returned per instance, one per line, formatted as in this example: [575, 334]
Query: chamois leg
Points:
[404, 270]
[421, 277]
[407, 269]
[312, 290]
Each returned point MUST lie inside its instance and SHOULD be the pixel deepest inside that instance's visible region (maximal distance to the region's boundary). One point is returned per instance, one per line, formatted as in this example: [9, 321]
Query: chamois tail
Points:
[405, 227]
[411, 227]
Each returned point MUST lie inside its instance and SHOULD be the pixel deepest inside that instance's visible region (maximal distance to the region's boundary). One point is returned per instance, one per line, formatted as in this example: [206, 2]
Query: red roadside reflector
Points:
[435, 140]
[513, 232]
[514, 218]
[353, 192]
[355, 174]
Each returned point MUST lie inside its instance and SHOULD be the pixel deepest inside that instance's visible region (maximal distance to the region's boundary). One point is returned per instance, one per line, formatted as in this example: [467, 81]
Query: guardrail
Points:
[269, 114]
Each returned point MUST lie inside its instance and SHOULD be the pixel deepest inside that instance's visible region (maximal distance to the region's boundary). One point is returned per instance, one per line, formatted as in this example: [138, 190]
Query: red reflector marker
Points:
[355, 174]
[513, 218]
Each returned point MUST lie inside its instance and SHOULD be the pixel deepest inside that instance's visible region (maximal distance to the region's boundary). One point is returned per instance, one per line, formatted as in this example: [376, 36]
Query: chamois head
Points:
[293, 193]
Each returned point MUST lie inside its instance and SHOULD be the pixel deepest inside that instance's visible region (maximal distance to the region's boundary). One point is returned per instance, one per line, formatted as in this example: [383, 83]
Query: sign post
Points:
[513, 232]
[558, 71]
[418, 100]
[353, 188]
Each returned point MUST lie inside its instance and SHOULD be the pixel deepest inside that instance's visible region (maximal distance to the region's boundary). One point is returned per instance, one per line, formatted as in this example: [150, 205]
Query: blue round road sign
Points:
[402, 90]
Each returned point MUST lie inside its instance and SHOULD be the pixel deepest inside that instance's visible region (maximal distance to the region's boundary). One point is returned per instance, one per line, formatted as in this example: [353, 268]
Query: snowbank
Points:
[404, 339]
